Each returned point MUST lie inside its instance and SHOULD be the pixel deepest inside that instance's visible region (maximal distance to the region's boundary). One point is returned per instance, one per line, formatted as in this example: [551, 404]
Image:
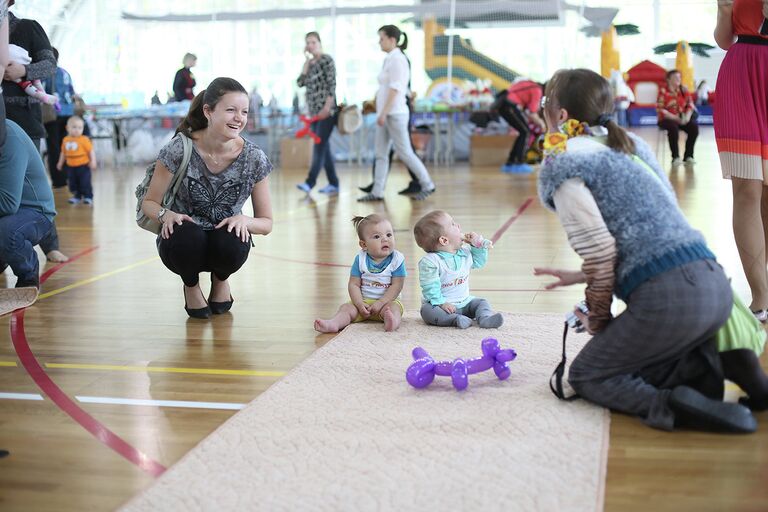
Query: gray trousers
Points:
[623, 366]
[435, 315]
[396, 131]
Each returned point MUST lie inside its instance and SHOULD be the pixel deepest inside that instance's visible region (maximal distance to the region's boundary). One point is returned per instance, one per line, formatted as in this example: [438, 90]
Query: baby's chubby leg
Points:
[435, 315]
[481, 310]
[343, 317]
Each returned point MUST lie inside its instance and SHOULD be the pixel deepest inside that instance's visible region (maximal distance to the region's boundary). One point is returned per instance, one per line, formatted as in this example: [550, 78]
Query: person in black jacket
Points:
[184, 81]
[25, 110]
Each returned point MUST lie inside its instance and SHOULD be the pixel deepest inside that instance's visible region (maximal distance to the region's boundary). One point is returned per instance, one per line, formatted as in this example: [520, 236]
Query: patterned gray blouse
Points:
[320, 81]
[210, 198]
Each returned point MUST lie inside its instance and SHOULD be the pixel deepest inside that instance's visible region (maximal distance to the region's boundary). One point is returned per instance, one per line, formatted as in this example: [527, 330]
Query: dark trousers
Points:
[673, 136]
[80, 181]
[191, 250]
[517, 120]
[19, 234]
[321, 153]
[56, 131]
[665, 338]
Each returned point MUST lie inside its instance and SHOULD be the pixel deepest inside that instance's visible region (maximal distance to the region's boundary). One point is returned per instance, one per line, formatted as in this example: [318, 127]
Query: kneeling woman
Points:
[659, 359]
[204, 230]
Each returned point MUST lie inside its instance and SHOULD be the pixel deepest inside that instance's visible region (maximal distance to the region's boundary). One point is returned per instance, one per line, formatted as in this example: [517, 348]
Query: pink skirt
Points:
[741, 112]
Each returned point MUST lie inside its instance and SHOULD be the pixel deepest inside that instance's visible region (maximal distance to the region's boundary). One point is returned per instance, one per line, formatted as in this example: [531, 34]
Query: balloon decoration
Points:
[306, 131]
[422, 371]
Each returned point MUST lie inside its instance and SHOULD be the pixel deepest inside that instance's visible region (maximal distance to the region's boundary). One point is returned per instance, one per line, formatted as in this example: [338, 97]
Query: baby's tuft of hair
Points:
[360, 223]
[428, 230]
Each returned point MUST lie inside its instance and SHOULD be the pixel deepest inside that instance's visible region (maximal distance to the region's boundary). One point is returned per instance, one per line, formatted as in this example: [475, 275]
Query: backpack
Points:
[142, 219]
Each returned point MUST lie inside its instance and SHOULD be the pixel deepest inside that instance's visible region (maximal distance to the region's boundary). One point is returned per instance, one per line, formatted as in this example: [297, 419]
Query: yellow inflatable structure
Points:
[609, 53]
[684, 63]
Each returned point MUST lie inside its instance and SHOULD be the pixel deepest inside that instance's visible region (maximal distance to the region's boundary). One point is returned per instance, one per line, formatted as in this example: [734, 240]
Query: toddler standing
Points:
[375, 281]
[444, 273]
[78, 157]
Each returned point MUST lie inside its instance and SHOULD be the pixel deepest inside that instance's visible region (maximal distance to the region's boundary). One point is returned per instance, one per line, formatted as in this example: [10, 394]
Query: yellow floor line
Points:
[158, 369]
[96, 278]
[8, 363]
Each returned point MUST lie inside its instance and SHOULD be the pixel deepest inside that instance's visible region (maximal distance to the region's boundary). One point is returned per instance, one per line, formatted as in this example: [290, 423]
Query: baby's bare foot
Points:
[391, 321]
[326, 326]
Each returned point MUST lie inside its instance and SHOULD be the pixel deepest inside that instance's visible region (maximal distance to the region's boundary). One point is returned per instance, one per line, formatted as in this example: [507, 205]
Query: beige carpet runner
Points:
[12, 299]
[344, 431]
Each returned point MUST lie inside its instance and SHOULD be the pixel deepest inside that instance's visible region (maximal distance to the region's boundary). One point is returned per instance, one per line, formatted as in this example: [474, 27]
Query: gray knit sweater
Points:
[638, 206]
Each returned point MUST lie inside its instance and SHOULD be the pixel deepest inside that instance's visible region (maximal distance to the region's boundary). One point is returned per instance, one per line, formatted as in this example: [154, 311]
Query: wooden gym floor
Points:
[105, 381]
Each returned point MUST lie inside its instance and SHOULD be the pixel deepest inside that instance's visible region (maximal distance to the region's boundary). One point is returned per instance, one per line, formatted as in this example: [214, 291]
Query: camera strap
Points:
[557, 376]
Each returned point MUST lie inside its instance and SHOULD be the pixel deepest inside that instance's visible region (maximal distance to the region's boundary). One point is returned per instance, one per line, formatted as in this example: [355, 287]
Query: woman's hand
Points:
[381, 120]
[238, 224]
[584, 319]
[325, 113]
[171, 219]
[448, 308]
[565, 277]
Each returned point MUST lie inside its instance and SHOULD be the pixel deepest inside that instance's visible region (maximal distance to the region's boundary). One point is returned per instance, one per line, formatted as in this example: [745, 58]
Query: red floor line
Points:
[48, 273]
[512, 219]
[54, 392]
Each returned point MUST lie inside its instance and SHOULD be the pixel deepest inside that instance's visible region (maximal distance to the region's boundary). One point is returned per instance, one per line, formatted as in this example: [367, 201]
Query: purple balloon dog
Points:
[422, 371]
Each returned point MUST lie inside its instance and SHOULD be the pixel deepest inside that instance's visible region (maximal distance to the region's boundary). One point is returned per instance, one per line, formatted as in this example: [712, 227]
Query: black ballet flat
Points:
[218, 308]
[367, 189]
[201, 313]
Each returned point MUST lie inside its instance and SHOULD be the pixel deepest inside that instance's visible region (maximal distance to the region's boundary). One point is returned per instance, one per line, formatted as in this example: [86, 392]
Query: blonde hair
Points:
[369, 220]
[75, 118]
[428, 230]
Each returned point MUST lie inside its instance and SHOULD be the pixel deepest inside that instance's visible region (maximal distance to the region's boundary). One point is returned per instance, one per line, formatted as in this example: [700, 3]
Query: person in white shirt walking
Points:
[392, 117]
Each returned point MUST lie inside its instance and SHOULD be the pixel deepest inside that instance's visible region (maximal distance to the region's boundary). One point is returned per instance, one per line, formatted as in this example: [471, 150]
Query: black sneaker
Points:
[423, 195]
[694, 410]
[28, 283]
[413, 187]
[367, 189]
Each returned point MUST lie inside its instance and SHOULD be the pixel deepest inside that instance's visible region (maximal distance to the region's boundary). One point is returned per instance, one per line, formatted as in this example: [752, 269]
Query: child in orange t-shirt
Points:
[79, 159]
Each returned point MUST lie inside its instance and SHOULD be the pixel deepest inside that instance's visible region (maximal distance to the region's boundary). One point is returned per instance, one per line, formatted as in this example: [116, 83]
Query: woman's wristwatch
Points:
[160, 213]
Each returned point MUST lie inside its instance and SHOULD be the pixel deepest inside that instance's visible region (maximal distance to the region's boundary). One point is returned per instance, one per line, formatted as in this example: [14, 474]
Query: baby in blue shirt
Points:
[444, 273]
[375, 281]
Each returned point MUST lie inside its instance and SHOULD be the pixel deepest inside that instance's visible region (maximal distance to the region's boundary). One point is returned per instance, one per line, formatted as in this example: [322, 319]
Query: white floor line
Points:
[21, 396]
[159, 403]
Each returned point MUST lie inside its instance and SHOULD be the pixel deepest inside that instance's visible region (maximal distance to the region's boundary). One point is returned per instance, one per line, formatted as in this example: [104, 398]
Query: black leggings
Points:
[191, 250]
[517, 120]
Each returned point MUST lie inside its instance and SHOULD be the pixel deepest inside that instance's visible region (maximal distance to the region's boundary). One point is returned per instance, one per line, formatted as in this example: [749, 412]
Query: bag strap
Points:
[180, 173]
[557, 376]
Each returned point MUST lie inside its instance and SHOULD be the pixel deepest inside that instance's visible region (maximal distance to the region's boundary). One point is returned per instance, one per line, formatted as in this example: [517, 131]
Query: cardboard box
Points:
[296, 153]
[490, 150]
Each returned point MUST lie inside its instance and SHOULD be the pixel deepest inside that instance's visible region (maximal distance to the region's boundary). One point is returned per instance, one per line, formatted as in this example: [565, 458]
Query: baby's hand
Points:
[376, 307]
[364, 309]
[448, 307]
[477, 240]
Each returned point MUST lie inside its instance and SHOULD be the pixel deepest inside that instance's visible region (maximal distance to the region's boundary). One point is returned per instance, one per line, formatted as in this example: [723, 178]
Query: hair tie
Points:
[604, 118]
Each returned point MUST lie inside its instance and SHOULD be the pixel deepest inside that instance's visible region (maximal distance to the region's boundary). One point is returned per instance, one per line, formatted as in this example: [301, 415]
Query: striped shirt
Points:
[588, 235]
